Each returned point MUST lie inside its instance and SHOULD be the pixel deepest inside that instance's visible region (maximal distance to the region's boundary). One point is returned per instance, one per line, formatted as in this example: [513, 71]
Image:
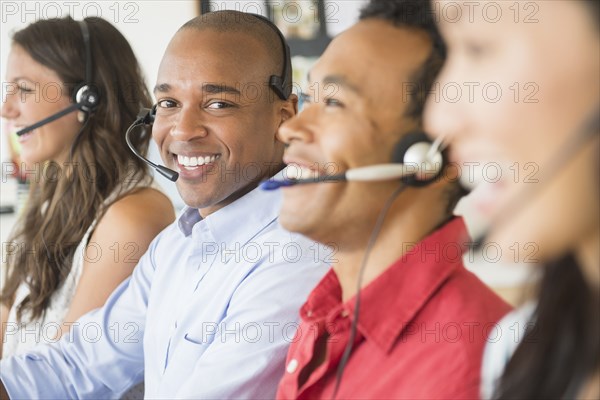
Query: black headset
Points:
[85, 97]
[279, 84]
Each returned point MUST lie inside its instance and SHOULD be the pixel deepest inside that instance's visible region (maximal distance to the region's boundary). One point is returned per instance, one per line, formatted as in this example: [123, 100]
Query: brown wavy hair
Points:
[65, 199]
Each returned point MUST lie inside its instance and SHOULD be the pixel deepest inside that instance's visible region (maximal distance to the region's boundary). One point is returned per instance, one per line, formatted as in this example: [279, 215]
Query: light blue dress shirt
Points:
[209, 312]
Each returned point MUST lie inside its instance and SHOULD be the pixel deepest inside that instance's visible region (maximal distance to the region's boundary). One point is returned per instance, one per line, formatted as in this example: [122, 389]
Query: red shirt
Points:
[422, 328]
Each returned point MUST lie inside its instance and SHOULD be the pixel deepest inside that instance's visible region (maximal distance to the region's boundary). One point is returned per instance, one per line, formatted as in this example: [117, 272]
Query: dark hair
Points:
[418, 15]
[249, 25]
[66, 199]
[595, 6]
[560, 353]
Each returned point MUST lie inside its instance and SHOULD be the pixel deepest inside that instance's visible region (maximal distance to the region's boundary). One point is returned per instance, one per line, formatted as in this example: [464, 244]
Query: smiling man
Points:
[211, 308]
[423, 318]
[218, 131]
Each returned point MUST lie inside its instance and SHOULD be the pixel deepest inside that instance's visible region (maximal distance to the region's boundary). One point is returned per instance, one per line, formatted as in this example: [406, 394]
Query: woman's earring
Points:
[81, 117]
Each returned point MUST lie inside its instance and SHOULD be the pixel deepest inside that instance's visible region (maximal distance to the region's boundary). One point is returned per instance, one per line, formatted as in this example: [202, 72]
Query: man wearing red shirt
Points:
[423, 319]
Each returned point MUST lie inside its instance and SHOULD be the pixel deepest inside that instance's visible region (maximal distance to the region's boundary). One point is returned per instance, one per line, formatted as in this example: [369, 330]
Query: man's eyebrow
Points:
[209, 88]
[162, 88]
[337, 80]
[16, 79]
[341, 81]
[212, 88]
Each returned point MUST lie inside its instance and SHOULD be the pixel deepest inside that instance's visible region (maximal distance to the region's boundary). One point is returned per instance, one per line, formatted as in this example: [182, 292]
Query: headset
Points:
[416, 161]
[279, 84]
[146, 117]
[85, 97]
[589, 129]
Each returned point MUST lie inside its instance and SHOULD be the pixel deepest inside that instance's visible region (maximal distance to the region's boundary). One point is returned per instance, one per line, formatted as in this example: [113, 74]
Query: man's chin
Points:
[195, 200]
[290, 221]
[298, 223]
[209, 197]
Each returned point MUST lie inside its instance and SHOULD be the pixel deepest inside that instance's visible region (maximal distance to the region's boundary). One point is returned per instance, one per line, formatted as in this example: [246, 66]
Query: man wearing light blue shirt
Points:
[213, 305]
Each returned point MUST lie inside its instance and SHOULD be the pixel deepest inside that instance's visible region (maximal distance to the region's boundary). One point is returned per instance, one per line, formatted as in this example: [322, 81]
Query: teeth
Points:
[307, 173]
[193, 162]
[481, 174]
[294, 171]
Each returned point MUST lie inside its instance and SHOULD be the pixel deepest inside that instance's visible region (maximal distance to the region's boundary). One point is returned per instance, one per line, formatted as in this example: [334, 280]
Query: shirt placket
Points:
[198, 263]
[337, 325]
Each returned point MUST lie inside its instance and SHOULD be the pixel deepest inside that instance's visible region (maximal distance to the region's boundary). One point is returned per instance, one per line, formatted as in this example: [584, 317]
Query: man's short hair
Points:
[249, 24]
[418, 15]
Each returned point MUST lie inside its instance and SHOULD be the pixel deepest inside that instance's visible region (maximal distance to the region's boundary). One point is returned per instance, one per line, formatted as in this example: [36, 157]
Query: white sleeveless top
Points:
[509, 334]
[23, 337]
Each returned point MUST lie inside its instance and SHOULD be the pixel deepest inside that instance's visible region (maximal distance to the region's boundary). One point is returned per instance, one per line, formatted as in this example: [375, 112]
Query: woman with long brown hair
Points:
[93, 207]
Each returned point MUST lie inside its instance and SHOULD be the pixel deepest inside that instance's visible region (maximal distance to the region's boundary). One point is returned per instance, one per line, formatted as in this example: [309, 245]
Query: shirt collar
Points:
[324, 298]
[237, 222]
[391, 301]
[188, 218]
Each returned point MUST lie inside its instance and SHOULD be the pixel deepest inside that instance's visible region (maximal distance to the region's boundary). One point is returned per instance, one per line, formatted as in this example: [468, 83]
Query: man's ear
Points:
[289, 108]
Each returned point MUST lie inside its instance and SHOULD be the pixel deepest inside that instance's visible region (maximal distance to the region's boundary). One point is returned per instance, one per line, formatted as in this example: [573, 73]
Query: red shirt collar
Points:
[390, 302]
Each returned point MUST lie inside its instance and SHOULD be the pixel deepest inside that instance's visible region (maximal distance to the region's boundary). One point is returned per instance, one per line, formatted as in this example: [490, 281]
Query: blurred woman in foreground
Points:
[541, 60]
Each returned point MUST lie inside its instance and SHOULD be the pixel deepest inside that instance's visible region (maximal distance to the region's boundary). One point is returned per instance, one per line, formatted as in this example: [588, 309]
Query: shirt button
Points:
[292, 366]
[344, 313]
[309, 313]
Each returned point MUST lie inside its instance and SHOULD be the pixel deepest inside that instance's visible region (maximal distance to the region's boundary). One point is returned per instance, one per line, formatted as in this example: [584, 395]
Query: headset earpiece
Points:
[280, 84]
[415, 149]
[86, 96]
[281, 89]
